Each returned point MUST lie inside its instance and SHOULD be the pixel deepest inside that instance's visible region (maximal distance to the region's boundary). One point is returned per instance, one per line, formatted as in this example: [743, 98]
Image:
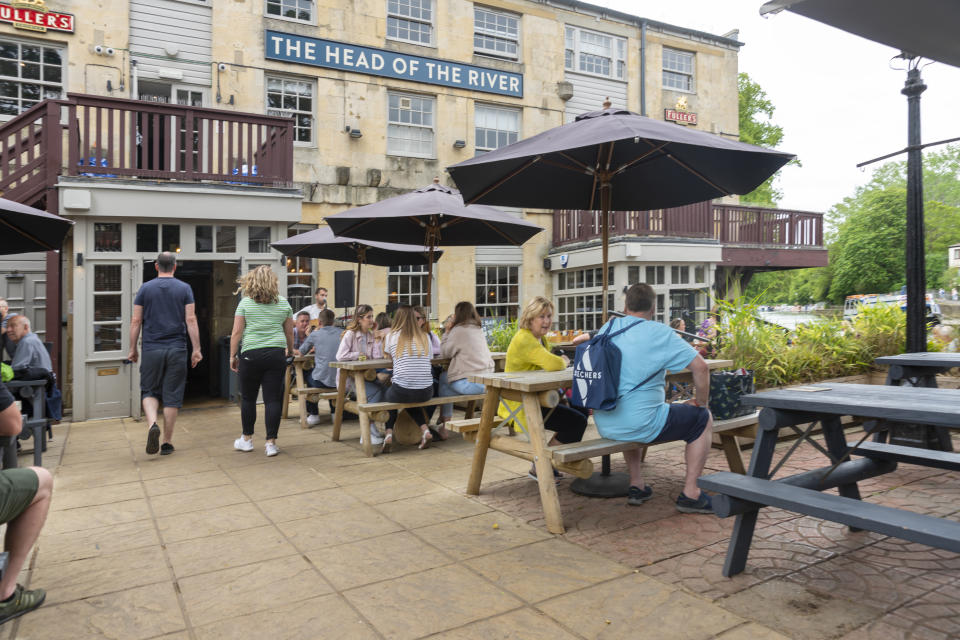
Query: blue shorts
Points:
[684, 422]
[163, 375]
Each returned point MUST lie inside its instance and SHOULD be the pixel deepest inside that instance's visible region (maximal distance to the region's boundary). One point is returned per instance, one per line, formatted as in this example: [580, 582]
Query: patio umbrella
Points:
[434, 216]
[24, 229]
[323, 244]
[917, 28]
[615, 160]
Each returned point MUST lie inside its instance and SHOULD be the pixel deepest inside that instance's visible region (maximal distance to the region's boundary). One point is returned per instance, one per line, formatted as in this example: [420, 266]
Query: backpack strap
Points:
[616, 333]
[651, 376]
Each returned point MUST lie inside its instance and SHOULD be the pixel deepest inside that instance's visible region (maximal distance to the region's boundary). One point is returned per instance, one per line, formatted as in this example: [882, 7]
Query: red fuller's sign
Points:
[33, 15]
[683, 117]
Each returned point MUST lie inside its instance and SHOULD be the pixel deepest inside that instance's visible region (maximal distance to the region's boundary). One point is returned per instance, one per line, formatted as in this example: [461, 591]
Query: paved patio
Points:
[320, 542]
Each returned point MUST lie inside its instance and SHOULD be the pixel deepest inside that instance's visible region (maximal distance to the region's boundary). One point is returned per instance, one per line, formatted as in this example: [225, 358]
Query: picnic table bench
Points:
[826, 403]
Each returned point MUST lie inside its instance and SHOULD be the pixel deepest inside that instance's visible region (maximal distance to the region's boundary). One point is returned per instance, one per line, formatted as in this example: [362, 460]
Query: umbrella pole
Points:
[356, 300]
[605, 241]
[430, 280]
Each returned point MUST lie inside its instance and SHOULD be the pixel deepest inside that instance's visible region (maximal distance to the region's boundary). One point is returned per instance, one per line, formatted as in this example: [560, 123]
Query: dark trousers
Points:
[568, 423]
[396, 393]
[312, 408]
[262, 368]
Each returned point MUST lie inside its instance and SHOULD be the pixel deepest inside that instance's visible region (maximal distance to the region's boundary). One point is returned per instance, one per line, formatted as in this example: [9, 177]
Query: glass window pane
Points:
[107, 337]
[226, 239]
[171, 238]
[106, 277]
[204, 238]
[147, 238]
[106, 307]
[259, 241]
[106, 236]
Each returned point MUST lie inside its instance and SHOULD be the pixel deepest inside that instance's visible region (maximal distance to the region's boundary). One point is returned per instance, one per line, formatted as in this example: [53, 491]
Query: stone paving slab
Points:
[321, 542]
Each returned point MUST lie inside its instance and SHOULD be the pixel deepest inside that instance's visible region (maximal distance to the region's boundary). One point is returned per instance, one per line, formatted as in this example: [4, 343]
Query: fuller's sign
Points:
[683, 117]
[330, 54]
[33, 15]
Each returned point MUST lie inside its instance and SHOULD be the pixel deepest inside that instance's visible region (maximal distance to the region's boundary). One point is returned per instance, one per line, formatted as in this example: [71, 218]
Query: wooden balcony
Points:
[102, 137]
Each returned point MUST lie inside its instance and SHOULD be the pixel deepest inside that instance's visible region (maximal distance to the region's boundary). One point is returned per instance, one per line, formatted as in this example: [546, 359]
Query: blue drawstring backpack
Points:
[596, 371]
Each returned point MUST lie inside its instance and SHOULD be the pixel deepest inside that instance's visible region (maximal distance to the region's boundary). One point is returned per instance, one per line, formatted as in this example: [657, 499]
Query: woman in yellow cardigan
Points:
[530, 351]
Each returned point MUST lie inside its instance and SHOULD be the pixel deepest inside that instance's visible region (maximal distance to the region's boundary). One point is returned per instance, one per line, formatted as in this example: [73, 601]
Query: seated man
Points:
[641, 415]
[31, 359]
[323, 342]
[24, 501]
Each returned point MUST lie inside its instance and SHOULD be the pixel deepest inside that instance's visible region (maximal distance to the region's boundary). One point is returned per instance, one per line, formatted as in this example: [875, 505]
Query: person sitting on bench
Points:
[324, 343]
[24, 502]
[641, 415]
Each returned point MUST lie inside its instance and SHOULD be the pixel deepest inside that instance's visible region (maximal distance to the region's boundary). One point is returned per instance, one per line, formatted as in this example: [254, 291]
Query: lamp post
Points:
[916, 266]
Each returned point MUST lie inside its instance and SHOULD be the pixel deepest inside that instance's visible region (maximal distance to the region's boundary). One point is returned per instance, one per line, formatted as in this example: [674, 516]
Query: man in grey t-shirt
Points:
[164, 307]
[324, 342]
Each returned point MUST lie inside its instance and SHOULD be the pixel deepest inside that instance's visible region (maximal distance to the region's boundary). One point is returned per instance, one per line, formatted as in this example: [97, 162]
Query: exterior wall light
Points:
[356, 133]
[459, 144]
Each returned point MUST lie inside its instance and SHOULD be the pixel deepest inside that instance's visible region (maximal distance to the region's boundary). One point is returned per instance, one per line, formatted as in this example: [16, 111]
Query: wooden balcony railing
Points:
[117, 138]
[728, 224]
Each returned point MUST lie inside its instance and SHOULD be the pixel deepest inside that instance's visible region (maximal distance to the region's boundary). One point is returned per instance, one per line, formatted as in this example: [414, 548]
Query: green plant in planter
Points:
[499, 337]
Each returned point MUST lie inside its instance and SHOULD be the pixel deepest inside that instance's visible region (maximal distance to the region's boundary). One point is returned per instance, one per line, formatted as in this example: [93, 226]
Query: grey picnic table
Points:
[827, 403]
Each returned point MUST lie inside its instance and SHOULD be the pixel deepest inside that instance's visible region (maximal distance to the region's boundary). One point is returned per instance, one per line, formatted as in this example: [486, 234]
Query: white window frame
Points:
[482, 295]
[676, 69]
[574, 45]
[297, 5]
[410, 274]
[403, 11]
[495, 110]
[496, 33]
[44, 85]
[295, 113]
[395, 126]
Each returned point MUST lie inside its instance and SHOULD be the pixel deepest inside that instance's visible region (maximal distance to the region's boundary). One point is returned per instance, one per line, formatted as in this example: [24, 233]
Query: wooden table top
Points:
[536, 381]
[925, 359]
[387, 363]
[923, 405]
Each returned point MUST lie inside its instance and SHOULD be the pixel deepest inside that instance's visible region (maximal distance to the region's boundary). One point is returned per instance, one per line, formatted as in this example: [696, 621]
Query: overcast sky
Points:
[836, 96]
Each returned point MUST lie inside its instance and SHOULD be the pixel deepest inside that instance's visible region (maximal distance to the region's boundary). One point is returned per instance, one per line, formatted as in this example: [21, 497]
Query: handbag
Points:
[726, 389]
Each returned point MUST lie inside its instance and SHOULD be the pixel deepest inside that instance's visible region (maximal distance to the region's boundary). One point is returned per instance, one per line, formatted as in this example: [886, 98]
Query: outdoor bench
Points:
[405, 431]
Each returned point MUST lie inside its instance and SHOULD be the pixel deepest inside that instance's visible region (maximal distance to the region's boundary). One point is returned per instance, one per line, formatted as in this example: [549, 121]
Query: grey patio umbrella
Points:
[434, 216]
[615, 160]
[323, 244]
[24, 229]
[926, 28]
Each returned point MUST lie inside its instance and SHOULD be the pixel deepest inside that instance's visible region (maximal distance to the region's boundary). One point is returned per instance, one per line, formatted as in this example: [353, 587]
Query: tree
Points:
[755, 112]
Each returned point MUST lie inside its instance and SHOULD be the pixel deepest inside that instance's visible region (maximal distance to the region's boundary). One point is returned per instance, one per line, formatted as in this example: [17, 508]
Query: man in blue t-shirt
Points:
[164, 307]
[649, 350]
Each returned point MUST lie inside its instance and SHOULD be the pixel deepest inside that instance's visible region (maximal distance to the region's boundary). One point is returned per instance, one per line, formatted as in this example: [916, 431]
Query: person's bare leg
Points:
[169, 422]
[635, 466]
[695, 456]
[151, 406]
[23, 531]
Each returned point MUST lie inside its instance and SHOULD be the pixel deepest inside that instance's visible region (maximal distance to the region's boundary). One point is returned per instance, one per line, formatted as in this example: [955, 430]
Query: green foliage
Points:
[500, 335]
[820, 351]
[755, 111]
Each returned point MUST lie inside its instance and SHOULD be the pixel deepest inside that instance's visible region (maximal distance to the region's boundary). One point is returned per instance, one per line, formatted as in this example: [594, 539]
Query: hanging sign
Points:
[680, 114]
[290, 47]
[33, 15]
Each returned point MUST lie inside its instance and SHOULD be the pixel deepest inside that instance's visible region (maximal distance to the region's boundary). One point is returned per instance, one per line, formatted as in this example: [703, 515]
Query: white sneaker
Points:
[375, 437]
[313, 419]
[271, 449]
[240, 444]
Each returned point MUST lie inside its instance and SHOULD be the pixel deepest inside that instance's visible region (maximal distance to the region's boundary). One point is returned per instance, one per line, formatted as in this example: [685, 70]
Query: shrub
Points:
[500, 335]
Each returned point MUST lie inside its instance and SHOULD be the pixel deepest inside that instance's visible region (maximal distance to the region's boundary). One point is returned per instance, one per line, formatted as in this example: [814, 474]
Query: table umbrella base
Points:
[602, 485]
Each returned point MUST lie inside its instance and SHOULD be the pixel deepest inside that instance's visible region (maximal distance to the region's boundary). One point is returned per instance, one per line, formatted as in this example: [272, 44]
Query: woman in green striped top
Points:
[263, 324]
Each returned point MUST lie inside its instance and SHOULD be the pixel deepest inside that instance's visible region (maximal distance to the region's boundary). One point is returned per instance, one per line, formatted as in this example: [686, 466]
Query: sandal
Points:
[425, 439]
[387, 443]
[442, 431]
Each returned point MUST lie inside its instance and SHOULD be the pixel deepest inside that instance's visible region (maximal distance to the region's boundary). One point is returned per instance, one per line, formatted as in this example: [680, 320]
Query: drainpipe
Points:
[643, 68]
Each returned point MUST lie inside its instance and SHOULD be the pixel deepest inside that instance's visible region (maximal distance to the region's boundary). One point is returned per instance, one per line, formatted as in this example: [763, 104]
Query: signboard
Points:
[34, 16]
[329, 54]
[683, 117]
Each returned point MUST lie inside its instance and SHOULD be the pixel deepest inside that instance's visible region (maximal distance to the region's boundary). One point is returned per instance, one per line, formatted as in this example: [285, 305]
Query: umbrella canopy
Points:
[434, 215]
[926, 28]
[321, 243]
[24, 229]
[615, 160]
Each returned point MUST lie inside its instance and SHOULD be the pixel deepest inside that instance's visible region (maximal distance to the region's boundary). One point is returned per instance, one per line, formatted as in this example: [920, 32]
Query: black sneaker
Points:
[532, 474]
[637, 496]
[153, 439]
[703, 504]
[166, 449]
[21, 602]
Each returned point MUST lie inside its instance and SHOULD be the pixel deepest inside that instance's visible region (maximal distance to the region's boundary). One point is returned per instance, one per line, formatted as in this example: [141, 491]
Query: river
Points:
[789, 319]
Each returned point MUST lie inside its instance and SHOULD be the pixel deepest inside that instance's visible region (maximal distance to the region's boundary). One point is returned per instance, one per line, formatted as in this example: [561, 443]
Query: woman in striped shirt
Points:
[264, 321]
[410, 348]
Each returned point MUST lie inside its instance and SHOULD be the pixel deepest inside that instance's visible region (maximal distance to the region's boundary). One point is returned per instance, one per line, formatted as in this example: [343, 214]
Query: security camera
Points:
[98, 49]
[222, 66]
[109, 51]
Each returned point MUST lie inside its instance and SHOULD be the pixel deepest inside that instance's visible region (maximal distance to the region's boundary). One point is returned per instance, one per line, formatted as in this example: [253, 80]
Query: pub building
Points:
[215, 128]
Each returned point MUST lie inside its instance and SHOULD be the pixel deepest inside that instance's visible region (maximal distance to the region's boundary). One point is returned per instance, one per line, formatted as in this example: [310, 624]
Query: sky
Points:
[836, 95]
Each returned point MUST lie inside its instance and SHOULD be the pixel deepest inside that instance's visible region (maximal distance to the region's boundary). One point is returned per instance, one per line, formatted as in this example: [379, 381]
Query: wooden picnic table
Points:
[527, 387]
[359, 369]
[918, 370]
[827, 403]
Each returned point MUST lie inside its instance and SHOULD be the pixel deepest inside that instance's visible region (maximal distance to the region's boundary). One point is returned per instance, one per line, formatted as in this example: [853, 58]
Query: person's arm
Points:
[288, 334]
[239, 323]
[193, 330]
[135, 323]
[537, 354]
[701, 381]
[345, 351]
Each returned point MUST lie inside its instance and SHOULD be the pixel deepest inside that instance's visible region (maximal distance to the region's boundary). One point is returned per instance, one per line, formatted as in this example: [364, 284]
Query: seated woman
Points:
[423, 321]
[466, 346]
[530, 351]
[409, 346]
[359, 342]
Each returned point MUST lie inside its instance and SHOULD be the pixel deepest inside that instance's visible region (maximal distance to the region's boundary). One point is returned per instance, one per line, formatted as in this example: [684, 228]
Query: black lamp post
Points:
[916, 263]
